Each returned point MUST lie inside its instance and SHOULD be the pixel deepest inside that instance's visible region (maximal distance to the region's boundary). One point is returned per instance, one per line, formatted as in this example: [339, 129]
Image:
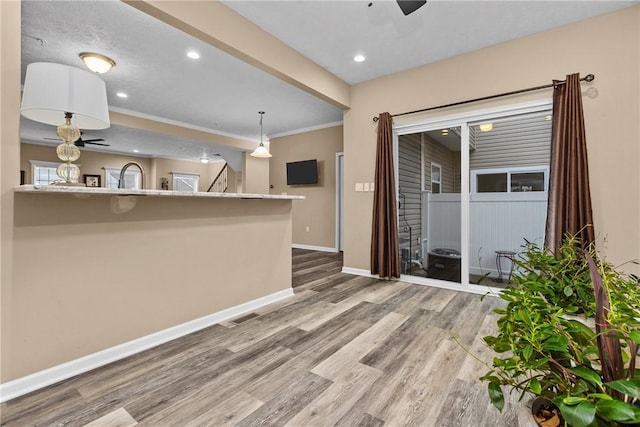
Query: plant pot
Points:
[545, 413]
[526, 414]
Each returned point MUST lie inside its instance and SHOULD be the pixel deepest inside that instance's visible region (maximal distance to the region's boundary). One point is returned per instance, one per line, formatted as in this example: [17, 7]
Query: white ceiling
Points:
[223, 95]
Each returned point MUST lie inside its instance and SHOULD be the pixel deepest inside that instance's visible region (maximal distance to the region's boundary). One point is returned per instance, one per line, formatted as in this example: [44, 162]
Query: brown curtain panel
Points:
[385, 248]
[569, 207]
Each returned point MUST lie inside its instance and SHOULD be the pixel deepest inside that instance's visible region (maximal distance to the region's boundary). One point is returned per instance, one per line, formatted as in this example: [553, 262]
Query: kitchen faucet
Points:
[124, 169]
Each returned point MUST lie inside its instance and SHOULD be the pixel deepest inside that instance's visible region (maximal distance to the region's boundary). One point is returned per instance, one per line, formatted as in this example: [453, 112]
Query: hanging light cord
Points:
[261, 115]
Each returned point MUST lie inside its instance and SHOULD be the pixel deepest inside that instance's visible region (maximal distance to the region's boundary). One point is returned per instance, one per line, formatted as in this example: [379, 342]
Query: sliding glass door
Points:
[429, 204]
[509, 169]
[471, 192]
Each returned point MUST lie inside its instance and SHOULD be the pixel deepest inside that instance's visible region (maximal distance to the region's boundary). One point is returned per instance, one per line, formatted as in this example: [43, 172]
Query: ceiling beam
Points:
[219, 26]
[180, 132]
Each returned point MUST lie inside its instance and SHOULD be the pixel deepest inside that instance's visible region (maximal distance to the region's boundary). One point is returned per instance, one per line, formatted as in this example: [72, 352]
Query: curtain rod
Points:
[587, 78]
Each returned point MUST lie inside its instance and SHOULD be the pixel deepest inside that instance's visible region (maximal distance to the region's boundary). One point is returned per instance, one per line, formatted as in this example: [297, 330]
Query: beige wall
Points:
[85, 279]
[10, 160]
[607, 46]
[317, 211]
[255, 175]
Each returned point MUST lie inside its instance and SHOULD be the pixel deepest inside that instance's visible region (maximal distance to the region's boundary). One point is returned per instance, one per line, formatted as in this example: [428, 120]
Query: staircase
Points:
[220, 183]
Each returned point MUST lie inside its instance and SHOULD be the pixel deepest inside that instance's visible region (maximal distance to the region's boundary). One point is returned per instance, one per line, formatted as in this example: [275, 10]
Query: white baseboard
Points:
[24, 385]
[314, 248]
[358, 271]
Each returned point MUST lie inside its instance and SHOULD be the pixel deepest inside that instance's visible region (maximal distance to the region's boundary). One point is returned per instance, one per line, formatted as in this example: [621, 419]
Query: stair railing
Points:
[221, 182]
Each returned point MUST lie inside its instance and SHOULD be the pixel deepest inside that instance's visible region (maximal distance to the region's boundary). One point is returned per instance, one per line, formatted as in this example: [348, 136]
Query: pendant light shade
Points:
[261, 151]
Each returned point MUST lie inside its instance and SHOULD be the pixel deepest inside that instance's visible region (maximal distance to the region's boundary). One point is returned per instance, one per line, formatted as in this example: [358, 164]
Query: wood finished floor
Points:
[344, 351]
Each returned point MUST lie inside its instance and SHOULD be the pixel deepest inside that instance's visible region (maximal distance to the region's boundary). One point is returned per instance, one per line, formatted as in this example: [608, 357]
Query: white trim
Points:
[313, 248]
[509, 171]
[423, 181]
[44, 164]
[465, 211]
[339, 230]
[423, 281]
[519, 196]
[357, 271]
[24, 385]
[459, 119]
[434, 283]
[432, 181]
[307, 129]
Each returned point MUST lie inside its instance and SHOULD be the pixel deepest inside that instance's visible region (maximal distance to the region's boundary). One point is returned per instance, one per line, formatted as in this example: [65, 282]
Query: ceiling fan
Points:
[410, 6]
[407, 6]
[81, 142]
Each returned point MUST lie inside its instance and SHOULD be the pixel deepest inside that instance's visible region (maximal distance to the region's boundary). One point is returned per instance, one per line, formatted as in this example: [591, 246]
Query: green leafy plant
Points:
[563, 278]
[589, 374]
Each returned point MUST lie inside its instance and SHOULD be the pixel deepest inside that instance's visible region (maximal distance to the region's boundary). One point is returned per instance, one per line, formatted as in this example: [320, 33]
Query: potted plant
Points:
[590, 375]
[562, 278]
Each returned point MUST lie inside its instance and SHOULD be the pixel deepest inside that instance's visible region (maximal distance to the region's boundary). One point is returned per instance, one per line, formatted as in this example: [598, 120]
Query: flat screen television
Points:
[303, 172]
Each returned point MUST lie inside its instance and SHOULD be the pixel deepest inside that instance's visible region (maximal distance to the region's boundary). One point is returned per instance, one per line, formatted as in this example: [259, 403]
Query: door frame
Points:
[339, 224]
[463, 120]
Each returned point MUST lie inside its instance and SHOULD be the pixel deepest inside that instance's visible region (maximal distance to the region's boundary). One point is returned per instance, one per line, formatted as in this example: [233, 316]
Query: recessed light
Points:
[193, 54]
[204, 160]
[136, 151]
[122, 95]
[359, 58]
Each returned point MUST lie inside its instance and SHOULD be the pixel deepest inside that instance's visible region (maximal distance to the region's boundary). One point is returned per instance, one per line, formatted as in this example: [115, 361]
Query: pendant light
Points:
[261, 151]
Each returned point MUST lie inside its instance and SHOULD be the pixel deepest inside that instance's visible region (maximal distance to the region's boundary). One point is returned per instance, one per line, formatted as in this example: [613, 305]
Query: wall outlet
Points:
[366, 186]
[358, 186]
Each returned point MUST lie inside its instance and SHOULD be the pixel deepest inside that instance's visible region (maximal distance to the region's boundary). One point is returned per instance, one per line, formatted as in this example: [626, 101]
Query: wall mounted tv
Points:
[303, 172]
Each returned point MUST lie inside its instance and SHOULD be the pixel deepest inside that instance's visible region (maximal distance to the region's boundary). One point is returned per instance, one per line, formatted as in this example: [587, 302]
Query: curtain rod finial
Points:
[589, 78]
[375, 119]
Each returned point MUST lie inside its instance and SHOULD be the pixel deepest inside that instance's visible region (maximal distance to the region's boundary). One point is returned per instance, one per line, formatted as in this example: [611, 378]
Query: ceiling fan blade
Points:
[410, 6]
[53, 139]
[94, 139]
[96, 143]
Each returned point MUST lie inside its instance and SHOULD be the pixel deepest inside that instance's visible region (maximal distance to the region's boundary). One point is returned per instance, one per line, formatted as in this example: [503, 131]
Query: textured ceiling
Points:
[222, 94]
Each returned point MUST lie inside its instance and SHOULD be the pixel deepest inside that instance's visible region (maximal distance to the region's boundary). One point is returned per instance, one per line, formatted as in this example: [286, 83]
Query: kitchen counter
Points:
[99, 191]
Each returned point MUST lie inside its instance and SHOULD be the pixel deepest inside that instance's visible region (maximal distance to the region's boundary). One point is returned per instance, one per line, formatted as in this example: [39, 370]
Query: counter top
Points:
[99, 191]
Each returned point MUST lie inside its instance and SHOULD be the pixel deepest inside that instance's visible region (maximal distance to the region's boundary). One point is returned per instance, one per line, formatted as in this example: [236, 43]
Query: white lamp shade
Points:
[261, 152]
[50, 90]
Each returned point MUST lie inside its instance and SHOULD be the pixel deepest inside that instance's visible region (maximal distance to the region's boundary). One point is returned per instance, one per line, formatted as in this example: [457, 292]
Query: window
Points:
[43, 173]
[509, 180]
[132, 178]
[185, 181]
[436, 178]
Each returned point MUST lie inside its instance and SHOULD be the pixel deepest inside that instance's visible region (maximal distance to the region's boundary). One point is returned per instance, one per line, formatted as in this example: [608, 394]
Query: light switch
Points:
[358, 186]
[366, 186]
[371, 187]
